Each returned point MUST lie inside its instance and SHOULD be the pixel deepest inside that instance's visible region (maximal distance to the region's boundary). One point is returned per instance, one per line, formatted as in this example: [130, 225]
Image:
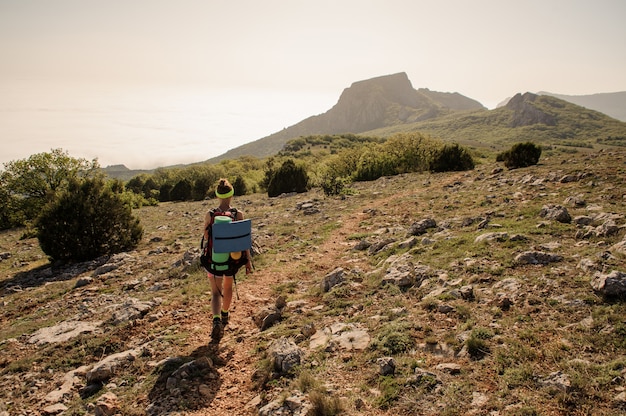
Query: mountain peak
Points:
[379, 102]
[526, 113]
[396, 81]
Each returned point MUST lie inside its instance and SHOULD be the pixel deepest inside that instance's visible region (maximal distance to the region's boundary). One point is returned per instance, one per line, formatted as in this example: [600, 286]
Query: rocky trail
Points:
[235, 387]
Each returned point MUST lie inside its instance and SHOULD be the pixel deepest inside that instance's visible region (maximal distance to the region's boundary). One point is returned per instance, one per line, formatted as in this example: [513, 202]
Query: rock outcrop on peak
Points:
[525, 113]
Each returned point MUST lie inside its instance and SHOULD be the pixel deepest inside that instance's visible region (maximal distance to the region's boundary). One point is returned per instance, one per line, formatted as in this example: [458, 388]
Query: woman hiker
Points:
[222, 285]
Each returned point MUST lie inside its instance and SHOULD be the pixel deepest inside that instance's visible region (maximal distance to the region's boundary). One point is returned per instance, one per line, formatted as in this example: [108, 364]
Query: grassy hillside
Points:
[574, 126]
[470, 328]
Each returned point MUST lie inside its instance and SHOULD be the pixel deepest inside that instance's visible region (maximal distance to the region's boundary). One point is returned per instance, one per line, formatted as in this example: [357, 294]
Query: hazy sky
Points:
[484, 49]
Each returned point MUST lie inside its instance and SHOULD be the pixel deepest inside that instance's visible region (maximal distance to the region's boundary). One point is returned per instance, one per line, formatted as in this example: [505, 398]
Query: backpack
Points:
[221, 264]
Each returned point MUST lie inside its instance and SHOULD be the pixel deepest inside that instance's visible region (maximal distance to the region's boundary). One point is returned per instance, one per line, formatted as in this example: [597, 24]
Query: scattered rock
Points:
[421, 227]
[362, 245]
[356, 339]
[83, 281]
[400, 275]
[488, 237]
[131, 310]
[375, 248]
[557, 380]
[537, 257]
[295, 405]
[104, 369]
[107, 405]
[116, 261]
[583, 220]
[467, 292]
[386, 366]
[54, 409]
[619, 247]
[346, 336]
[450, 368]
[267, 316]
[332, 279]
[610, 285]
[555, 212]
[284, 355]
[69, 381]
[62, 332]
[408, 243]
[188, 370]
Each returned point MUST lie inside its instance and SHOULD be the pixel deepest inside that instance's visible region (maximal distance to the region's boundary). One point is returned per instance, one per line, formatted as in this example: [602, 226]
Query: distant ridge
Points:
[525, 117]
[122, 172]
[366, 105]
[612, 104]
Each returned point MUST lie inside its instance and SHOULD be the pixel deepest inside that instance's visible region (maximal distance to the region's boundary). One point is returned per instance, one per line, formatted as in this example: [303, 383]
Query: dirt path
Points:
[235, 392]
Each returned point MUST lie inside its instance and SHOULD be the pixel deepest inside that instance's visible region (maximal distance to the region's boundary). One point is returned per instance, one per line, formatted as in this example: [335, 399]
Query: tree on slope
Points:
[29, 184]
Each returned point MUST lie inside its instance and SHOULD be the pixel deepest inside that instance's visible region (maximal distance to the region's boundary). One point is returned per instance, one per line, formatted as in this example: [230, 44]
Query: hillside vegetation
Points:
[438, 294]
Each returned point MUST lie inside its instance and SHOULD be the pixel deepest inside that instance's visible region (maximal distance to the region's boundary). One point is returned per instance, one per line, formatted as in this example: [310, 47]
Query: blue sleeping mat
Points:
[232, 236]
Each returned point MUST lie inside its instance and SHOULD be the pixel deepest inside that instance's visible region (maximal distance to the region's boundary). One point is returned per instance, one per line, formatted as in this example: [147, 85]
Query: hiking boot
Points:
[225, 316]
[218, 330]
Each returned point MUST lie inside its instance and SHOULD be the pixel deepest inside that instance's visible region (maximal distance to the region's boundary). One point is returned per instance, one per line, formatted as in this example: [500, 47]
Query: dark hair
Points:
[224, 187]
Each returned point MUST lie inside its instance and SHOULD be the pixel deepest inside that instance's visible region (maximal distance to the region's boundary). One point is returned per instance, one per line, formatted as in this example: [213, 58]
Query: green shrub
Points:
[288, 178]
[520, 155]
[324, 404]
[394, 338]
[182, 191]
[164, 192]
[87, 221]
[451, 158]
[333, 186]
[389, 392]
[239, 184]
[476, 347]
[375, 164]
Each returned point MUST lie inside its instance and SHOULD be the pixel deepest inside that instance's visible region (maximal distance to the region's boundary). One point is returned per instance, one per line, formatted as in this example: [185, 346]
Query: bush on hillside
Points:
[520, 155]
[89, 220]
[375, 164]
[182, 191]
[334, 185]
[288, 178]
[451, 158]
[239, 184]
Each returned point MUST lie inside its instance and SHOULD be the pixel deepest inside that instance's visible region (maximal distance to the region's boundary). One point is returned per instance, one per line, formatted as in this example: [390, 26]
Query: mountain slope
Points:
[375, 103]
[612, 104]
[539, 118]
[389, 104]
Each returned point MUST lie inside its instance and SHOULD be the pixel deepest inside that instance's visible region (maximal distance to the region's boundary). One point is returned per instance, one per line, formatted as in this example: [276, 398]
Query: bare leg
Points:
[227, 292]
[216, 297]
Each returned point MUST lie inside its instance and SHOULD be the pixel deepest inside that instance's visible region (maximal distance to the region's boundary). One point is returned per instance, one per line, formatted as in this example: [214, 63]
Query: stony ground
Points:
[474, 329]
